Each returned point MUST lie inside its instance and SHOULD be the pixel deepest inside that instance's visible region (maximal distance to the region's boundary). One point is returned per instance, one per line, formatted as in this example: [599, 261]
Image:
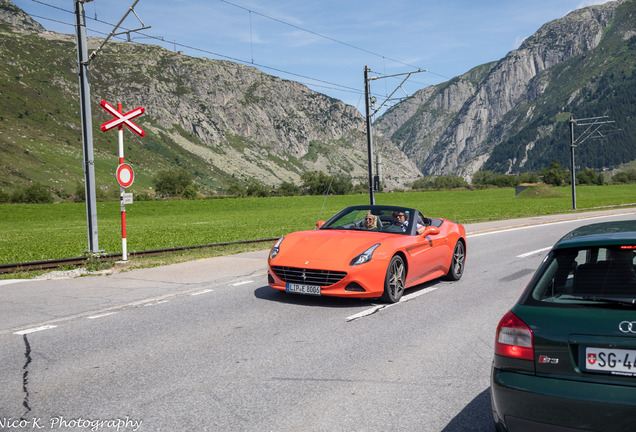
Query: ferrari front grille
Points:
[308, 276]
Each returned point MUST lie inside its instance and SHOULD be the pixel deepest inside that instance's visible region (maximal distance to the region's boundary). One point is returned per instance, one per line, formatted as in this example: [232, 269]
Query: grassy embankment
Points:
[41, 232]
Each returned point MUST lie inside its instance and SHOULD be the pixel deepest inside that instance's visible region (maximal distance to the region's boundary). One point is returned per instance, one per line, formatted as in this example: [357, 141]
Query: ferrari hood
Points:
[318, 247]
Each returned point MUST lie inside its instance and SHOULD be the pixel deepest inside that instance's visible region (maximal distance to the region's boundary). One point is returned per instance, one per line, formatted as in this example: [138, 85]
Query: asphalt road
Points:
[208, 346]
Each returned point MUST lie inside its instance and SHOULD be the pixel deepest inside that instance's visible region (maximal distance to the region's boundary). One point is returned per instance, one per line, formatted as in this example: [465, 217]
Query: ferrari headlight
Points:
[364, 256]
[276, 248]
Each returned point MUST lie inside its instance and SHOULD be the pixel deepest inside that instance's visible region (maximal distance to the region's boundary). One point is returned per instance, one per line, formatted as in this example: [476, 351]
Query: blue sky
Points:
[325, 44]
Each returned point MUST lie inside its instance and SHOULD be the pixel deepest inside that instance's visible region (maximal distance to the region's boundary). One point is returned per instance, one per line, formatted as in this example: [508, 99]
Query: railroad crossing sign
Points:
[122, 119]
[125, 175]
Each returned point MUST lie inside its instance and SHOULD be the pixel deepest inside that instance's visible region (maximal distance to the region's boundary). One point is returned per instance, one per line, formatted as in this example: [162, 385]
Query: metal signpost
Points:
[125, 174]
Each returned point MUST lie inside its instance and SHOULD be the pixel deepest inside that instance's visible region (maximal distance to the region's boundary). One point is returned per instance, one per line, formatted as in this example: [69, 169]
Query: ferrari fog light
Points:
[364, 256]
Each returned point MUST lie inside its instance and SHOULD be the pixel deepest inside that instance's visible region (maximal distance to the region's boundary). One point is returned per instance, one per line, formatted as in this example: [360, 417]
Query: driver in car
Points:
[401, 220]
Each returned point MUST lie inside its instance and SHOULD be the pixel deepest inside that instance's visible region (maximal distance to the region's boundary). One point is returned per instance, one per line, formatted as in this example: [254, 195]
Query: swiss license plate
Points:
[610, 360]
[303, 289]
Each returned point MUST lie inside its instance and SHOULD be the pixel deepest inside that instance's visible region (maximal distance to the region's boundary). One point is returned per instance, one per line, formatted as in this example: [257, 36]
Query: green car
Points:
[565, 354]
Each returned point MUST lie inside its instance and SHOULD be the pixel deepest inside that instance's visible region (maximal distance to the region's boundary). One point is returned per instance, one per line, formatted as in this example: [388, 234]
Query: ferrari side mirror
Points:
[430, 230]
[319, 224]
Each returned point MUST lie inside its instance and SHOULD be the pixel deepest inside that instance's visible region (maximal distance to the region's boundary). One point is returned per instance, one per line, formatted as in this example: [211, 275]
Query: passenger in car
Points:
[370, 222]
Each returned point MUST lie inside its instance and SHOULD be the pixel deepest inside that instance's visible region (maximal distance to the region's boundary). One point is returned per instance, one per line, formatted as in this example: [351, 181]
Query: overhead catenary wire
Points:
[204, 51]
[312, 81]
[325, 84]
[250, 11]
[319, 34]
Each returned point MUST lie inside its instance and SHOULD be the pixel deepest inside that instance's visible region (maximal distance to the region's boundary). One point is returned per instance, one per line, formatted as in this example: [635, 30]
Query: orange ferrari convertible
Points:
[368, 251]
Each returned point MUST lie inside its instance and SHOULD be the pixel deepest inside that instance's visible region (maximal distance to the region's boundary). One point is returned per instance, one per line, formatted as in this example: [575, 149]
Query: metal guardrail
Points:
[53, 263]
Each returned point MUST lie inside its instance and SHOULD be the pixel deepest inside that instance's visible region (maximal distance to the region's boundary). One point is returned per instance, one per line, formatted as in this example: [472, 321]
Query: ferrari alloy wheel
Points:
[457, 262]
[394, 280]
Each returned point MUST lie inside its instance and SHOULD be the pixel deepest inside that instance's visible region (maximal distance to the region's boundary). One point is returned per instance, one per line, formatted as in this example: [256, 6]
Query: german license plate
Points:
[303, 289]
[610, 360]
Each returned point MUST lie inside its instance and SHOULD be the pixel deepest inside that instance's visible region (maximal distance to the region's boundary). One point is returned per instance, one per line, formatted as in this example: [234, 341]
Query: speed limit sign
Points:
[125, 175]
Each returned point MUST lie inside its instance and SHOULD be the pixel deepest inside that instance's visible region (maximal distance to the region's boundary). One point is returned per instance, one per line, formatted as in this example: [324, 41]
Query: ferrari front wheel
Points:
[394, 280]
[457, 262]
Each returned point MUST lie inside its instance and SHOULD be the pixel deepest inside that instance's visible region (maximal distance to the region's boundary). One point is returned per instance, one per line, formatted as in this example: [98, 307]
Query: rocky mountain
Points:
[230, 124]
[224, 122]
[512, 115]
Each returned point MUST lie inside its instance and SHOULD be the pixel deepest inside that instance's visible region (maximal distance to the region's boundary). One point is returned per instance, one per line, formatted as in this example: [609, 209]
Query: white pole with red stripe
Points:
[125, 174]
[120, 133]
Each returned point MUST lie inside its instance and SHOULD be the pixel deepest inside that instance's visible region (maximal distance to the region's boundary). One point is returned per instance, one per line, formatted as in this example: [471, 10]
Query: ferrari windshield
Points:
[588, 275]
[375, 218]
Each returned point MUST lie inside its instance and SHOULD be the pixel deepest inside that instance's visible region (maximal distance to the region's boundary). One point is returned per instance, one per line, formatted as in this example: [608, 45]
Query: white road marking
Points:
[201, 292]
[365, 312]
[104, 312]
[384, 306]
[35, 329]
[101, 315]
[12, 281]
[536, 225]
[156, 303]
[534, 252]
[243, 283]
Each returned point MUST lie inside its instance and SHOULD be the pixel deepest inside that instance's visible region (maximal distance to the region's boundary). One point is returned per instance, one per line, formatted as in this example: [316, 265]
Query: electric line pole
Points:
[369, 114]
[594, 125]
[87, 127]
[83, 60]
[369, 135]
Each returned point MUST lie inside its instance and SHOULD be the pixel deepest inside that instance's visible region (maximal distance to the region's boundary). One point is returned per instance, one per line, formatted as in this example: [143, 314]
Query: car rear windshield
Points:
[601, 275]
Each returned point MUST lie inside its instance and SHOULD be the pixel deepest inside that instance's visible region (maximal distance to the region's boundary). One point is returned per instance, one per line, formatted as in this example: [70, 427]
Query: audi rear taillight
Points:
[514, 338]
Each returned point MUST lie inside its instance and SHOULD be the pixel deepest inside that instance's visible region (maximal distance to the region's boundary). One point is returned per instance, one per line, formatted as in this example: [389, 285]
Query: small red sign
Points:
[125, 175]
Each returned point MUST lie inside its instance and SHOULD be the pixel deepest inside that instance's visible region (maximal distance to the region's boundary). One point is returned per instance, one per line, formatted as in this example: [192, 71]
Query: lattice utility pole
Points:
[594, 125]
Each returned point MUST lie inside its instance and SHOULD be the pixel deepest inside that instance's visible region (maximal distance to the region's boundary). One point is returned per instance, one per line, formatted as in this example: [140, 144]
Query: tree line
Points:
[555, 175]
[311, 183]
[180, 184]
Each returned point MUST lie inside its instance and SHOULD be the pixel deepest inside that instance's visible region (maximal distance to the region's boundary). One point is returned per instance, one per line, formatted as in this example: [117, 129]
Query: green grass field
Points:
[50, 231]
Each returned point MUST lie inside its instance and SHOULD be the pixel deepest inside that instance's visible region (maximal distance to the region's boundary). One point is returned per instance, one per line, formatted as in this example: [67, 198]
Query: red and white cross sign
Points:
[122, 119]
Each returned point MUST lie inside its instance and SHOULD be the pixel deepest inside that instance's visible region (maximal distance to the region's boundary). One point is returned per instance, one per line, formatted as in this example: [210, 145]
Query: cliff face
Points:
[227, 122]
[452, 128]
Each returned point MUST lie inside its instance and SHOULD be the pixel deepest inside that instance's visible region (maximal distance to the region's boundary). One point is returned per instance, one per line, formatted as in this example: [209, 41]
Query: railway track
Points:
[54, 263]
